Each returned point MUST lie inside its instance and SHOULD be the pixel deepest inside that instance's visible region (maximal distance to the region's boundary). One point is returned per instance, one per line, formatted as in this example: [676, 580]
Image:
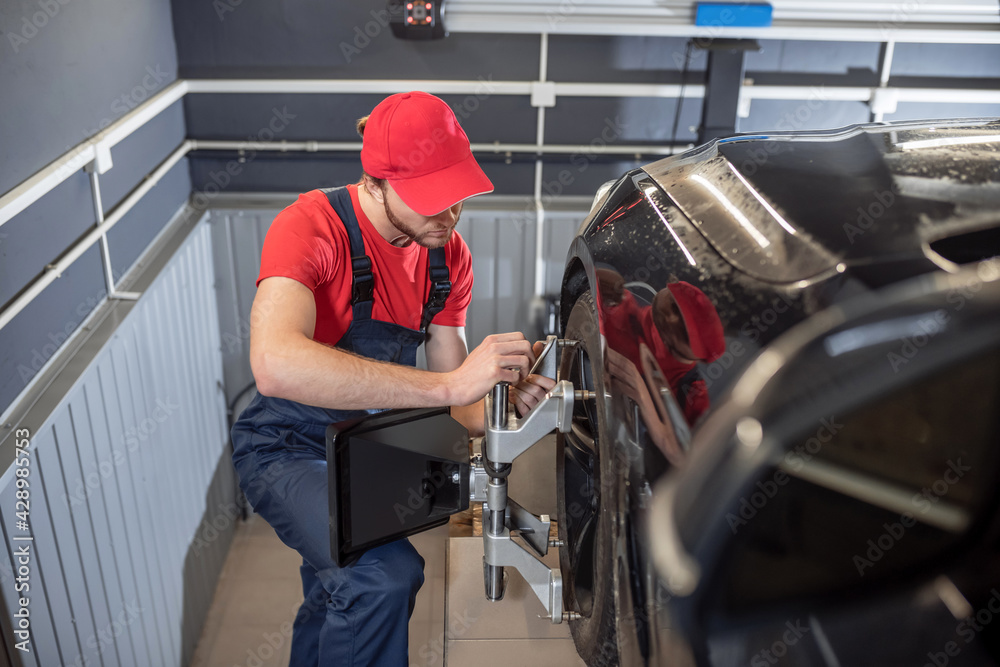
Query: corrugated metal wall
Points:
[502, 242]
[123, 475]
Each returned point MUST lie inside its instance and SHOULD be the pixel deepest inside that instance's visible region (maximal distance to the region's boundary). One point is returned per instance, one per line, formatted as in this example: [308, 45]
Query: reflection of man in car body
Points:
[680, 327]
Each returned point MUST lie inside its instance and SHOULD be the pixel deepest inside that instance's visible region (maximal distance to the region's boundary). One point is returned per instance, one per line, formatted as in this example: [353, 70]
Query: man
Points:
[686, 329]
[680, 328]
[352, 281]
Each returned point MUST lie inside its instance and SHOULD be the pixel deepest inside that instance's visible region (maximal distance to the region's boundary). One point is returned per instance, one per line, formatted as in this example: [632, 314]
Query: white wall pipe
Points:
[543, 70]
[359, 86]
[626, 150]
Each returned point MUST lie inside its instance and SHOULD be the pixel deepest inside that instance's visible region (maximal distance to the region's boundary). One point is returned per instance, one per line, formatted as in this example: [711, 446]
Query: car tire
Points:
[587, 495]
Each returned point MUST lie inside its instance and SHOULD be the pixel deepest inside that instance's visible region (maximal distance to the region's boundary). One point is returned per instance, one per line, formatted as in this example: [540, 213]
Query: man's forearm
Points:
[308, 372]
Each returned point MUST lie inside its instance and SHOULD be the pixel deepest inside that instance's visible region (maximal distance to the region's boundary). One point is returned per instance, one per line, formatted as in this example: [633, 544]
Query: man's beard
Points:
[420, 239]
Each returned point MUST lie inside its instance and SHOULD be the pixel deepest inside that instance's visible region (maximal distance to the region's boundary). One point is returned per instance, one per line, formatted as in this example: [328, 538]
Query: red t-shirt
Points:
[308, 243]
[628, 324]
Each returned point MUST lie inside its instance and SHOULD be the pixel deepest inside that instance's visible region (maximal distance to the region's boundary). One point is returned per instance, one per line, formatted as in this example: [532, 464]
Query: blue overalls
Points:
[356, 615]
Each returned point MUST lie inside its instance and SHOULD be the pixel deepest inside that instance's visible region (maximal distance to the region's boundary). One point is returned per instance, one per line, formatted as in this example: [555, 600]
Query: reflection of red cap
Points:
[414, 141]
[704, 328]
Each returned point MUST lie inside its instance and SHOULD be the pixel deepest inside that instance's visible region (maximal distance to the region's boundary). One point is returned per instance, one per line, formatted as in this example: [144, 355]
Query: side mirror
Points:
[392, 475]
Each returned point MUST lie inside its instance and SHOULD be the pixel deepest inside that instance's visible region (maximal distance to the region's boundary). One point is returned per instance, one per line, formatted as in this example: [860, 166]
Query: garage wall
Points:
[124, 476]
[69, 69]
[341, 40]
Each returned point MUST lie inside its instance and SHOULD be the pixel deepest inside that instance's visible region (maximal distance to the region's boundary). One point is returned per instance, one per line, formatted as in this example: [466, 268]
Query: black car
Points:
[794, 341]
[779, 413]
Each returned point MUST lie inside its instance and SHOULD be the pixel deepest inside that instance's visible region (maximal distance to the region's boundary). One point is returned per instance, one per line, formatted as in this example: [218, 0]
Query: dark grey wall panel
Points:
[808, 114]
[274, 172]
[133, 233]
[316, 38]
[813, 57]
[602, 121]
[267, 172]
[598, 58]
[41, 232]
[140, 153]
[948, 60]
[244, 117]
[581, 178]
[33, 337]
[71, 70]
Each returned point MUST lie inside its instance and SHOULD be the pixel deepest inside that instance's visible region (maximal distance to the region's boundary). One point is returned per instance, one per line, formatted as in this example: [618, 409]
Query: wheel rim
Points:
[581, 483]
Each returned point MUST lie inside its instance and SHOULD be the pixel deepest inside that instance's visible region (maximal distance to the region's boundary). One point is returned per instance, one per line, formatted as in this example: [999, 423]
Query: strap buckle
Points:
[363, 286]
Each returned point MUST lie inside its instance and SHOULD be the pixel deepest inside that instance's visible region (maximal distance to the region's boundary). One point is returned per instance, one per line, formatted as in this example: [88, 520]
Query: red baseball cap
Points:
[414, 141]
[704, 328]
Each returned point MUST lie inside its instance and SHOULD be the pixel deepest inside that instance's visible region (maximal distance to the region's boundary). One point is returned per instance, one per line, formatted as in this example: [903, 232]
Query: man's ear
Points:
[374, 190]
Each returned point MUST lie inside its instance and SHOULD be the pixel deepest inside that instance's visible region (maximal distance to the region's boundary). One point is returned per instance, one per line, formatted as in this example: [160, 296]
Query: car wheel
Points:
[587, 496]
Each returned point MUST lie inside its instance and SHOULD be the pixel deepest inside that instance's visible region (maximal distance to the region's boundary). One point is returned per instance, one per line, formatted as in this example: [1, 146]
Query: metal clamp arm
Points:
[544, 581]
[555, 412]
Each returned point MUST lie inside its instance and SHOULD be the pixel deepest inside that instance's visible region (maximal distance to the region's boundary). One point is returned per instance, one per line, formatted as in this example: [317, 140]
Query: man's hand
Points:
[530, 391]
[499, 358]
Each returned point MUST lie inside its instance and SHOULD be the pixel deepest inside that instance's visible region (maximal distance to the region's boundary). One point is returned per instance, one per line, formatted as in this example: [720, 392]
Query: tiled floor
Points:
[250, 621]
[255, 600]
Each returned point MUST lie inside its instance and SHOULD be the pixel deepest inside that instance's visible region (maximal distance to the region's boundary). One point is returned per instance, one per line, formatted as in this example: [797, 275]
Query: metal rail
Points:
[95, 152]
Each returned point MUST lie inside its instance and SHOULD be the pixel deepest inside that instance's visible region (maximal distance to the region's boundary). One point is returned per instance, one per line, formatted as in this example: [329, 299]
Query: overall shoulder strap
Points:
[363, 281]
[437, 270]
[684, 386]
